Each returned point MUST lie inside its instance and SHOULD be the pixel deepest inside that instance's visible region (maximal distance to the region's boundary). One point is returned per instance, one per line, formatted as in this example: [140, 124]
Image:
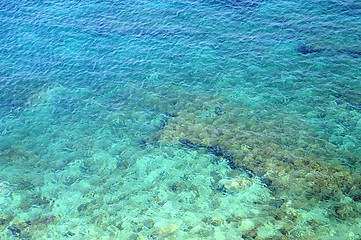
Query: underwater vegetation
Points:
[298, 167]
[308, 49]
[281, 153]
[195, 119]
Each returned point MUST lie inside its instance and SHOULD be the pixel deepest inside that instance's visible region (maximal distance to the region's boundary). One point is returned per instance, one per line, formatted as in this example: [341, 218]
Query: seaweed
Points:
[190, 144]
[26, 229]
[272, 149]
[4, 221]
[353, 53]
[215, 150]
[307, 49]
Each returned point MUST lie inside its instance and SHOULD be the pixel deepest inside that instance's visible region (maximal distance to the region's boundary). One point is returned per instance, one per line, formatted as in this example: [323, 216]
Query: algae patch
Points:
[301, 169]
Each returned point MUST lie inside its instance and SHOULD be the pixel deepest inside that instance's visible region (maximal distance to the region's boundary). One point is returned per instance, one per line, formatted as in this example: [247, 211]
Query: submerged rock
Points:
[167, 230]
[4, 222]
[345, 211]
[288, 157]
[306, 49]
[27, 229]
[238, 184]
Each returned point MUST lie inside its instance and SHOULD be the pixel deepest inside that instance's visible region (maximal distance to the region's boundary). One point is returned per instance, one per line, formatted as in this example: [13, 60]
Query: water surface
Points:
[195, 119]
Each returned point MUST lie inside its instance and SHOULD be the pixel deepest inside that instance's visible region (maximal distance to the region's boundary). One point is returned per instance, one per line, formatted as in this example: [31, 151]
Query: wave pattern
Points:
[195, 119]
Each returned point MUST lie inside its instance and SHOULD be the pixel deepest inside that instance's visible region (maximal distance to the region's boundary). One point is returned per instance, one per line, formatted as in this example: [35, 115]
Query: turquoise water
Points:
[195, 119]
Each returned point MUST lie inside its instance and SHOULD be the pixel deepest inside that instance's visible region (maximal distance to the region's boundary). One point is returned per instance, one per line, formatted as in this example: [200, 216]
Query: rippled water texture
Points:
[192, 119]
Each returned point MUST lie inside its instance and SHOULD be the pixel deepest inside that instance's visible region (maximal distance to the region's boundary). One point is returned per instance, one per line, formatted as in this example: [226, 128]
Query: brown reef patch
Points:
[291, 159]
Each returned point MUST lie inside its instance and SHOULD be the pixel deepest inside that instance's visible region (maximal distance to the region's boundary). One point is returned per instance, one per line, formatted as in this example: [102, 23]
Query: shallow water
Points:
[195, 119]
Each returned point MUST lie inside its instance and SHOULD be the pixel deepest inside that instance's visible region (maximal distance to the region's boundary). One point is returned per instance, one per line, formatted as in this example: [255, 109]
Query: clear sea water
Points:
[169, 119]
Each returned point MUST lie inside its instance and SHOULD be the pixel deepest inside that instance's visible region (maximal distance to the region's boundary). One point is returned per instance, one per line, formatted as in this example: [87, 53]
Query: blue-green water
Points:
[195, 119]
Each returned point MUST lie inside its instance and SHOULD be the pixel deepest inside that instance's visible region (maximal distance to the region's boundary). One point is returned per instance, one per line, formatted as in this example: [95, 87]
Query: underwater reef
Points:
[197, 164]
[297, 166]
[309, 49]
